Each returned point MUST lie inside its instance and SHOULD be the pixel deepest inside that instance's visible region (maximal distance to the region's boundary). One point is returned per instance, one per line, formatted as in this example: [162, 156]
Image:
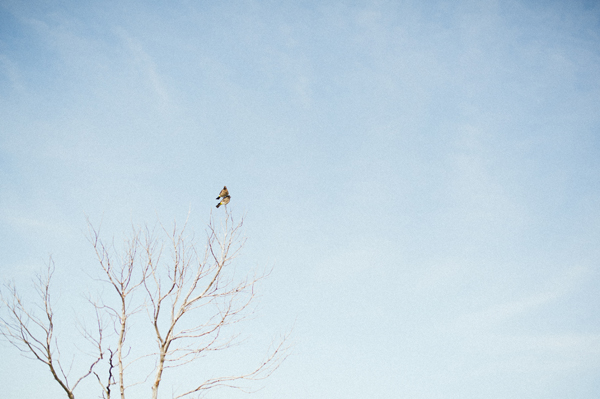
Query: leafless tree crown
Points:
[189, 293]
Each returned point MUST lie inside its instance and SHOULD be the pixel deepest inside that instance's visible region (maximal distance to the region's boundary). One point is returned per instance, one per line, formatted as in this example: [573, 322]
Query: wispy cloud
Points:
[493, 317]
[142, 61]
[10, 70]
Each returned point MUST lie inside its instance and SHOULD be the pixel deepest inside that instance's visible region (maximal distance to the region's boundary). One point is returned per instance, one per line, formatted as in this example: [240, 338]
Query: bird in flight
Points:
[224, 193]
[224, 201]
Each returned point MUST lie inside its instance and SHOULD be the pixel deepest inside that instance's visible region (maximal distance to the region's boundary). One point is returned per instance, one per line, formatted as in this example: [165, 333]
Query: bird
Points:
[224, 193]
[224, 201]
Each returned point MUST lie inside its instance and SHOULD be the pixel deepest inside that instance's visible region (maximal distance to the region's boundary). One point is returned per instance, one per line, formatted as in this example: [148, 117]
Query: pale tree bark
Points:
[124, 278]
[192, 298]
[193, 282]
[33, 335]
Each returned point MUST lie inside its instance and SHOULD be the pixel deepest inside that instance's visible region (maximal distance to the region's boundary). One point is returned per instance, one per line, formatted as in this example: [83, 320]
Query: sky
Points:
[422, 176]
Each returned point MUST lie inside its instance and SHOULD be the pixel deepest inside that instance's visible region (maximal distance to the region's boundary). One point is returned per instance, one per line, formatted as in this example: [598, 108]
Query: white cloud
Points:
[495, 316]
[142, 61]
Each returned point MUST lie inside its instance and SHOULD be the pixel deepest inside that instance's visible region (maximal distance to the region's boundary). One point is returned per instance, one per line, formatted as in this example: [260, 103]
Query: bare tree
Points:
[190, 293]
[124, 278]
[33, 335]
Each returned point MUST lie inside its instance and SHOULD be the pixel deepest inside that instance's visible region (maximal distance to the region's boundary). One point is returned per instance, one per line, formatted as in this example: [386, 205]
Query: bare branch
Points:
[34, 335]
[124, 278]
[190, 292]
[197, 284]
[264, 370]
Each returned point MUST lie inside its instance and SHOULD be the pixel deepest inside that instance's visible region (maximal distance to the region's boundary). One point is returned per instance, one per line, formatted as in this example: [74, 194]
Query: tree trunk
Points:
[159, 371]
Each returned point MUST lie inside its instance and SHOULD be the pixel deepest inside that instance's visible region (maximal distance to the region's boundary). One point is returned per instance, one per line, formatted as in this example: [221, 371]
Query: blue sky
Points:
[424, 177]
